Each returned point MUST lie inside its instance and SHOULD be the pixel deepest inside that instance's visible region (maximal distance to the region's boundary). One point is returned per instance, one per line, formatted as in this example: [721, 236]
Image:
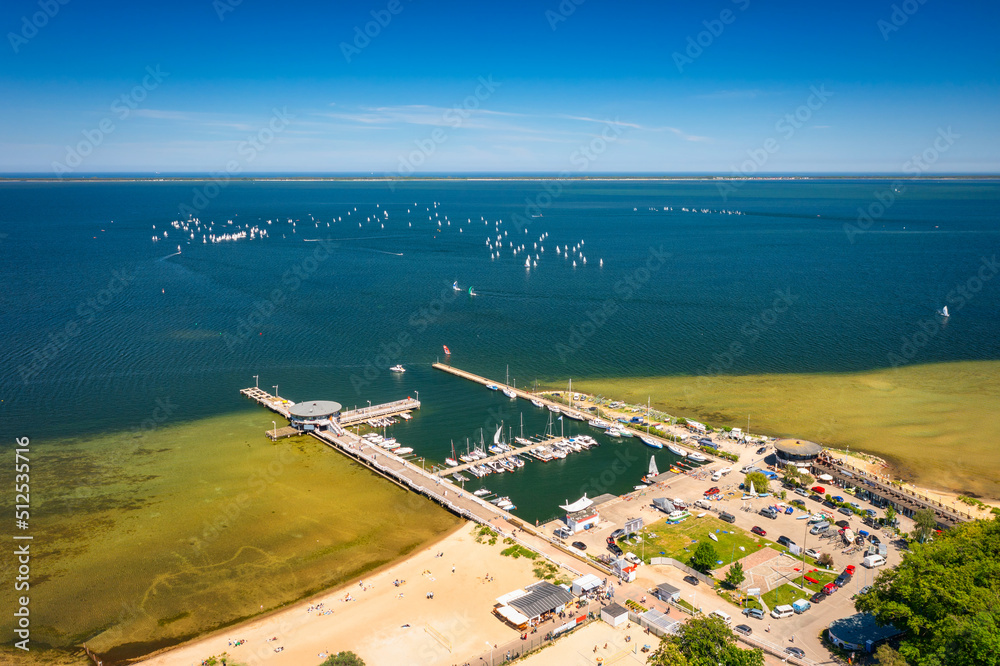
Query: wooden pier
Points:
[357, 416]
[499, 456]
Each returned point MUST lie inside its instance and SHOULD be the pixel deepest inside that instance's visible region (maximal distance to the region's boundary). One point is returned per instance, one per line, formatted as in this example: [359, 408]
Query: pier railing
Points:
[362, 414]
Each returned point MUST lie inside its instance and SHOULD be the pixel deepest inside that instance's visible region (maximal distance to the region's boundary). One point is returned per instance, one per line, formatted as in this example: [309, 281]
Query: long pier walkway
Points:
[563, 409]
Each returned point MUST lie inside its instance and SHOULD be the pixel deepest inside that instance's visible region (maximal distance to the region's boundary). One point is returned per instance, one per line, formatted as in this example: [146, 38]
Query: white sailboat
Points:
[455, 286]
[653, 472]
[944, 312]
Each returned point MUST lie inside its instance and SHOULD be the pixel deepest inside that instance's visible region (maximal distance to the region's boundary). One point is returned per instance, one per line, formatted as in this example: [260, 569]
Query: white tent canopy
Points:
[825, 477]
[511, 615]
[579, 505]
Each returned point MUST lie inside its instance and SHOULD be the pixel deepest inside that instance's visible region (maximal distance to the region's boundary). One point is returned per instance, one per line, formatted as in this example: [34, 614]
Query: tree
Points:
[890, 514]
[826, 559]
[888, 657]
[926, 524]
[805, 480]
[707, 641]
[943, 596]
[791, 474]
[759, 482]
[704, 557]
[668, 654]
[735, 575]
[343, 659]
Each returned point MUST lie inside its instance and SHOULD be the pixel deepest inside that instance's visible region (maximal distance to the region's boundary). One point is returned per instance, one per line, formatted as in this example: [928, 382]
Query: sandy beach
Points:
[383, 623]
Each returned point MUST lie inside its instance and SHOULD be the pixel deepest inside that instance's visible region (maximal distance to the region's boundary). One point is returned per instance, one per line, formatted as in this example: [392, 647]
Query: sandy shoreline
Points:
[383, 623]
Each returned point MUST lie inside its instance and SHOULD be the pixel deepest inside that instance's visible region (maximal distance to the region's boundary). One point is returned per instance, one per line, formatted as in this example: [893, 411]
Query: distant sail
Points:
[652, 467]
[944, 312]
[446, 350]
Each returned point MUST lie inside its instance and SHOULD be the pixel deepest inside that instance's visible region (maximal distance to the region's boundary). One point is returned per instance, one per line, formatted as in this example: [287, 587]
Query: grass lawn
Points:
[785, 594]
[679, 541]
[823, 577]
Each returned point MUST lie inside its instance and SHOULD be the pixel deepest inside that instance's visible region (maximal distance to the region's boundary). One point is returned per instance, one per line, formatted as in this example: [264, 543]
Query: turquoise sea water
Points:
[102, 328]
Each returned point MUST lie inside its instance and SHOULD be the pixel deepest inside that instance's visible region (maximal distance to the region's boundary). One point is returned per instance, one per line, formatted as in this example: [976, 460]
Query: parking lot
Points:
[801, 630]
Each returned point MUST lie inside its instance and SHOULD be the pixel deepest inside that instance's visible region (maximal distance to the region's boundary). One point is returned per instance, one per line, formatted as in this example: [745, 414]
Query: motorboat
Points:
[493, 387]
[537, 403]
[613, 432]
[599, 423]
[697, 457]
[555, 409]
[397, 368]
[676, 451]
[481, 492]
[403, 450]
[626, 433]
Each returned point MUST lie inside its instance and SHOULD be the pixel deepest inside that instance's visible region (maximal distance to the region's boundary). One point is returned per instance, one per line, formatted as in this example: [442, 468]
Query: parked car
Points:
[816, 498]
[801, 491]
[843, 524]
[762, 450]
[865, 590]
[758, 530]
[812, 553]
[617, 534]
[871, 512]
[743, 629]
[855, 505]
[754, 613]
[838, 498]
[769, 512]
[830, 588]
[849, 569]
[799, 503]
[830, 505]
[844, 510]
[579, 545]
[693, 580]
[875, 540]
[728, 517]
[613, 547]
[818, 597]
[785, 541]
[711, 491]
[795, 652]
[842, 580]
[820, 490]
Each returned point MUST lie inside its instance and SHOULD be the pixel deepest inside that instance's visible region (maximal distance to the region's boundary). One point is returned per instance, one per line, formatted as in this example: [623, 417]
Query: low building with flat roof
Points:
[796, 451]
[860, 632]
[313, 414]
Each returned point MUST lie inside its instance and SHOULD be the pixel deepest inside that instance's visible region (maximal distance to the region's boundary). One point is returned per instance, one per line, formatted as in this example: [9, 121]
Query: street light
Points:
[418, 395]
[275, 424]
[256, 381]
[275, 391]
[491, 652]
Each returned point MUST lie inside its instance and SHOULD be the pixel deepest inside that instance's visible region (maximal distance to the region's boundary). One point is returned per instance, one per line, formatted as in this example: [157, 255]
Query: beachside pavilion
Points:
[313, 414]
[581, 515]
[860, 632]
[798, 452]
[533, 604]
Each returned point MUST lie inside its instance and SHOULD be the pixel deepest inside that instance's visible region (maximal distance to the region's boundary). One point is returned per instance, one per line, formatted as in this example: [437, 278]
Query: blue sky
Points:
[594, 87]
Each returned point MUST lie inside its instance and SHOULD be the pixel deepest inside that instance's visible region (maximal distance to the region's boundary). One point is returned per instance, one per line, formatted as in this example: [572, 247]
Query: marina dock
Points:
[358, 416]
[515, 450]
[563, 408]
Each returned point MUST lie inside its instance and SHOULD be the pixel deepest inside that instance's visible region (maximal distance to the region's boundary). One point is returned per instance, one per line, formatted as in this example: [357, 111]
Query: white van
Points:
[723, 615]
[716, 476]
[782, 611]
[872, 561]
[703, 504]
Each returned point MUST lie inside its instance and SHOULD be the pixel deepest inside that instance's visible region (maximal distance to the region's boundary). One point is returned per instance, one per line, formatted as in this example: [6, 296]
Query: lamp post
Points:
[491, 652]
[256, 381]
[418, 395]
[275, 424]
[275, 391]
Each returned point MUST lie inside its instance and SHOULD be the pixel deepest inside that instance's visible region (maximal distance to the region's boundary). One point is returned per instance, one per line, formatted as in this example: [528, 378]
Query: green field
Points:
[786, 594]
[679, 541]
[936, 423]
[823, 577]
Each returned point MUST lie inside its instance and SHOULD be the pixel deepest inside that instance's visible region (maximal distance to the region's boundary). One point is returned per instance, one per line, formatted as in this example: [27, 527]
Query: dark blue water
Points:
[99, 323]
